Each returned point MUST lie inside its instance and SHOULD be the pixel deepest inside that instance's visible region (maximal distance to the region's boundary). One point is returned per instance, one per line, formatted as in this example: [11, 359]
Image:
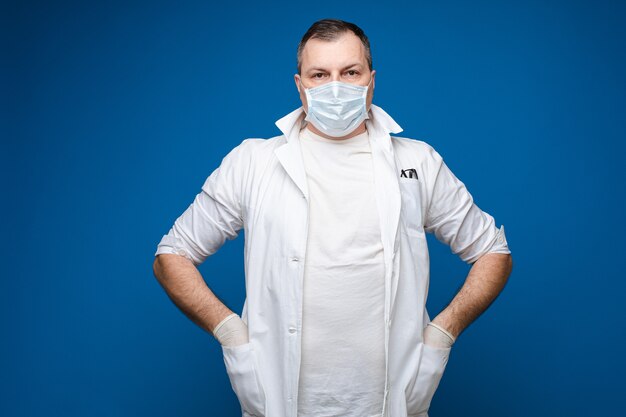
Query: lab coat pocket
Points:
[241, 365]
[420, 392]
[411, 205]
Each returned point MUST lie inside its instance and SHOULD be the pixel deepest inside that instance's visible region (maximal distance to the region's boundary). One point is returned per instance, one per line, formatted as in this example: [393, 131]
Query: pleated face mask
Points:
[337, 108]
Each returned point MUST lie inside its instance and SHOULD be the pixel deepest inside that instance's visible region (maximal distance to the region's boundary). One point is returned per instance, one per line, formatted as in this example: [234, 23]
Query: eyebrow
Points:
[343, 69]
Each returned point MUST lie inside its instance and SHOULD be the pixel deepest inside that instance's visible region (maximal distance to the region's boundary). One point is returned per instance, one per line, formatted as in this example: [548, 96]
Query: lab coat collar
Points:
[379, 124]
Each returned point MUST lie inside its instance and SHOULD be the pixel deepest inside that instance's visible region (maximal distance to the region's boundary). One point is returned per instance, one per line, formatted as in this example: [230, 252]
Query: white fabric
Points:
[343, 332]
[261, 186]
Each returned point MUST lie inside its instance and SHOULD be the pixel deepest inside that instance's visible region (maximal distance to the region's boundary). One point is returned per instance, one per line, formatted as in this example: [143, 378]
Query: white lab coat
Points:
[261, 187]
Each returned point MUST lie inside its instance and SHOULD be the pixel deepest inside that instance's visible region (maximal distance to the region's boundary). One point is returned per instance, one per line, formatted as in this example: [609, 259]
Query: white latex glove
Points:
[437, 336]
[231, 331]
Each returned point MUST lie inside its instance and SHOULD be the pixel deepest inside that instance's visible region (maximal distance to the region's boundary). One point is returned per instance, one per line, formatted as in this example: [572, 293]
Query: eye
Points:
[352, 73]
[318, 75]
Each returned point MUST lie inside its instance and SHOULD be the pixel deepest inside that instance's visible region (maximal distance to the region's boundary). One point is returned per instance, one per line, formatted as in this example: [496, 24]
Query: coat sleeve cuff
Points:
[172, 245]
[499, 245]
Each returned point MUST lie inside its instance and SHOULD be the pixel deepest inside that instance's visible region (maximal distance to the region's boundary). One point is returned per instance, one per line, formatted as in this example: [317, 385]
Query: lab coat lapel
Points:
[289, 153]
[387, 190]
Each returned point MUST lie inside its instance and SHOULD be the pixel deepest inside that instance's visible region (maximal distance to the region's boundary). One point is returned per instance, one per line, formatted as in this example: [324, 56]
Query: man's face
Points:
[340, 60]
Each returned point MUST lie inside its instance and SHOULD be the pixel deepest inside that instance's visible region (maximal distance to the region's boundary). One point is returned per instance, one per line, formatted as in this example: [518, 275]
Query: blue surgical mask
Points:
[337, 108]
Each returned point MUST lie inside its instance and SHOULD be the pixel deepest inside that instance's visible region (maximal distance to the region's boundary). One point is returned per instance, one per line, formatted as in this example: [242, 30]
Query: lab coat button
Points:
[295, 259]
[182, 252]
[292, 330]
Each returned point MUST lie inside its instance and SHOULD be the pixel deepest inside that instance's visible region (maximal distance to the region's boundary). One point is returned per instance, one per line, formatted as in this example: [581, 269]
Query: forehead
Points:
[346, 50]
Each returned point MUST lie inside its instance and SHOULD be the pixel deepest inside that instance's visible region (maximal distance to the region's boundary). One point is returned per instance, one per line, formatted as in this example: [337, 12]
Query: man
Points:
[335, 212]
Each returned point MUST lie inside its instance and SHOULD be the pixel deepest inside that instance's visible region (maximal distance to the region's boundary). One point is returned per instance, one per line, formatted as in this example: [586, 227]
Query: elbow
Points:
[508, 264]
[499, 263]
[166, 264]
[505, 259]
[157, 267]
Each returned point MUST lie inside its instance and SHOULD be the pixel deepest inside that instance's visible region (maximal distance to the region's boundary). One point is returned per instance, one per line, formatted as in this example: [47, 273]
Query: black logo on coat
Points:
[408, 173]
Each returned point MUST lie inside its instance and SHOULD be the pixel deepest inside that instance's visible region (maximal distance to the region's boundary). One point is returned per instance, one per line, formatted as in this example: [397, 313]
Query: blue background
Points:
[114, 114]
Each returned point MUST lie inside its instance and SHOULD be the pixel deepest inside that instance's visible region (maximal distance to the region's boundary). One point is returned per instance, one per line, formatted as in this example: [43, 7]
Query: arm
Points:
[184, 285]
[215, 216]
[471, 233]
[484, 282]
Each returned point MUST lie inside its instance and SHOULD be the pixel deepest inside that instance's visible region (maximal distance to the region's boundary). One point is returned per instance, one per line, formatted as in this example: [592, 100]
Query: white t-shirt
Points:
[343, 335]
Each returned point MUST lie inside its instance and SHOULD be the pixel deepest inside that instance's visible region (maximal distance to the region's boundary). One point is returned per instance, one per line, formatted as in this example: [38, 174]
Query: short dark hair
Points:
[329, 30]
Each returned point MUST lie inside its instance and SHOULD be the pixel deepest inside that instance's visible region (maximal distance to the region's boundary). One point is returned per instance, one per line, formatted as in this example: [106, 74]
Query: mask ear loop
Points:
[306, 113]
[367, 111]
[301, 85]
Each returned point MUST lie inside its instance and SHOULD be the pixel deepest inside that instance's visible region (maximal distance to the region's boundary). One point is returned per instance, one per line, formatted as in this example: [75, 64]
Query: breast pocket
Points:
[411, 205]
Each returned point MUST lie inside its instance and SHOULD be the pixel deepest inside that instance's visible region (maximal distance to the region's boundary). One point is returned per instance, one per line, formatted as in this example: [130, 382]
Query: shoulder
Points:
[415, 150]
[254, 148]
[245, 159]
[253, 153]
[256, 145]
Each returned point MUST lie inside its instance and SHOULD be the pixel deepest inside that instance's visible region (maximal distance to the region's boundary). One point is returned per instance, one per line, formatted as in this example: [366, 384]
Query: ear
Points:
[296, 79]
[373, 79]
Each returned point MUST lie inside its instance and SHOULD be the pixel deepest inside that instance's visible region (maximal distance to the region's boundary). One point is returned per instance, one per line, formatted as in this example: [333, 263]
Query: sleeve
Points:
[456, 221]
[215, 214]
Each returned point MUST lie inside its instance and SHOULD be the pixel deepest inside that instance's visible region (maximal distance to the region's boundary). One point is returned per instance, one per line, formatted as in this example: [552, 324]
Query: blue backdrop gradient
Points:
[114, 113]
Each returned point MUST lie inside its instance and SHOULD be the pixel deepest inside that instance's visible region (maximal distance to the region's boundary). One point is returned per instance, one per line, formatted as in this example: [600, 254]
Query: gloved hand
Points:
[437, 336]
[231, 331]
